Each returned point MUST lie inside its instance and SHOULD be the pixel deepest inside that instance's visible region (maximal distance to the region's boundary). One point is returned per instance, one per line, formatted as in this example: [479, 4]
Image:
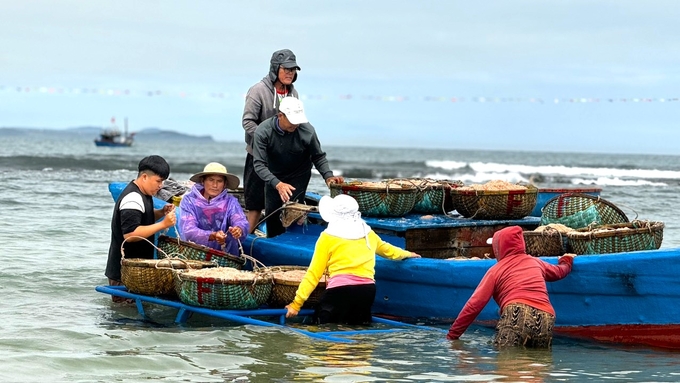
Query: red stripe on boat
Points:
[661, 336]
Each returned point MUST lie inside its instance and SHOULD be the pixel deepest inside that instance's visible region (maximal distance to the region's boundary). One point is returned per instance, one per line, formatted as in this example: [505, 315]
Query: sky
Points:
[574, 76]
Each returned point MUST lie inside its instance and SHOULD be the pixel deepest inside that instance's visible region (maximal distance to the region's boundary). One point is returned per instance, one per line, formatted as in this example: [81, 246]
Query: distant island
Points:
[146, 134]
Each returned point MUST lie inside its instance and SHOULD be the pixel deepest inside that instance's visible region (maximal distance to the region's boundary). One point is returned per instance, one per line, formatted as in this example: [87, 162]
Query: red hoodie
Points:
[516, 278]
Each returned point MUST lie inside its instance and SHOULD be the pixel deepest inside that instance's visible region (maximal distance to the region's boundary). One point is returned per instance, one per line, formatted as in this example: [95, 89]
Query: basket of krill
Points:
[387, 198]
[547, 240]
[495, 200]
[155, 276]
[617, 238]
[225, 288]
[577, 210]
[287, 279]
[194, 251]
[433, 196]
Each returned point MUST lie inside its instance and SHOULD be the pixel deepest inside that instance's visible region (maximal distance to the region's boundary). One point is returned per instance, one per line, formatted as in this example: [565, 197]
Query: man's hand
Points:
[170, 219]
[168, 208]
[334, 180]
[285, 191]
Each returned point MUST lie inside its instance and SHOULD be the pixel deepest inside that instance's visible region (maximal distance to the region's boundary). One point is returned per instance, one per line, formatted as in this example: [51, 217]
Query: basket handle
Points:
[166, 255]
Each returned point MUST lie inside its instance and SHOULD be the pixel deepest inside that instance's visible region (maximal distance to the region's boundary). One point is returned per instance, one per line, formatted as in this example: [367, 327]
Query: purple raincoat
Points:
[199, 218]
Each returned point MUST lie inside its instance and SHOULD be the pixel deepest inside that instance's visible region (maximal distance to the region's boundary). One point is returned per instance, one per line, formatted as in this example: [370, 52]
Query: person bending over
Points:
[517, 283]
[347, 249]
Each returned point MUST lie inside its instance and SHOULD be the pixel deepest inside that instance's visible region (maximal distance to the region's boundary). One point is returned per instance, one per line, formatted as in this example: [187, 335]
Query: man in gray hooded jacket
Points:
[262, 102]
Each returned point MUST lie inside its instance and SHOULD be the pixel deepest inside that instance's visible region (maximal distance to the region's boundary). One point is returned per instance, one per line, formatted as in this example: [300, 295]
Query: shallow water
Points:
[55, 328]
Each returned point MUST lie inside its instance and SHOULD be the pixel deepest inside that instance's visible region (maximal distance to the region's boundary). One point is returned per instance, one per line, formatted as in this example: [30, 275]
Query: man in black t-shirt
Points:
[133, 224]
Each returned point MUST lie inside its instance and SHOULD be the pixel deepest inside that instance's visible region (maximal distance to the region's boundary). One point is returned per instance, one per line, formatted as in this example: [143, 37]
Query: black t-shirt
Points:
[132, 209]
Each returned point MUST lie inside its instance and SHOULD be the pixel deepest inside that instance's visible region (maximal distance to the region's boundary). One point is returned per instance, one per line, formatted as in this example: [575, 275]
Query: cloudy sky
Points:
[587, 76]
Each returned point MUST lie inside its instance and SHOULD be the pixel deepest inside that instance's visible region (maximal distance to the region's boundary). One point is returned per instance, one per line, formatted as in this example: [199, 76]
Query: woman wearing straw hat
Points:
[209, 215]
[347, 249]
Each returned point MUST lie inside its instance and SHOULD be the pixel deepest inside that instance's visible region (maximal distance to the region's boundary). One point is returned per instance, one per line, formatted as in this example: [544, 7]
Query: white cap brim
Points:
[297, 118]
[488, 241]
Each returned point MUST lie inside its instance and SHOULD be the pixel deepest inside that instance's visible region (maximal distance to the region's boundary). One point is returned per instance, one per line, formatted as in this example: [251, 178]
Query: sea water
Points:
[55, 212]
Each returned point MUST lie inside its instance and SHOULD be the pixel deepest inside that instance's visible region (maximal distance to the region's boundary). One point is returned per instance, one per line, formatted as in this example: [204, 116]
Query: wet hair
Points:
[154, 164]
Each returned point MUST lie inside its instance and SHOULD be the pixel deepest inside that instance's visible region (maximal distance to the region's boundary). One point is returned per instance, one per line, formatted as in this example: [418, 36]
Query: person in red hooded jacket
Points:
[517, 284]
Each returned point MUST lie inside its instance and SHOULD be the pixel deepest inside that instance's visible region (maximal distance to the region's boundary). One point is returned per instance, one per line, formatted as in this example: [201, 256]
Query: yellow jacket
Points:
[344, 256]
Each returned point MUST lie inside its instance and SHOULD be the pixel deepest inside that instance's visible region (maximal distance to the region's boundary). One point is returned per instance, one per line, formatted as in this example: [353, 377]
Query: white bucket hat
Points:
[343, 217]
[218, 169]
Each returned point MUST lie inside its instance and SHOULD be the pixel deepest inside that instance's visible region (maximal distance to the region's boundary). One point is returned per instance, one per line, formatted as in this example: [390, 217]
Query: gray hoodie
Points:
[261, 100]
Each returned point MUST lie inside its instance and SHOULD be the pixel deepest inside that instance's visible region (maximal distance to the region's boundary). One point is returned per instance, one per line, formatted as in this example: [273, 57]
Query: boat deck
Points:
[247, 317]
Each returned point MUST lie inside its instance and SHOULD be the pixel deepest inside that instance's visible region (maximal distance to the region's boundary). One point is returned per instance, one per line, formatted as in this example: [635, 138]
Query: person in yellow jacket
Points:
[347, 249]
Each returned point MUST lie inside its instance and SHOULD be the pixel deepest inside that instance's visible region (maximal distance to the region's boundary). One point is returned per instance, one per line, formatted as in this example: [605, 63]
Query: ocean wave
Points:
[605, 181]
[559, 170]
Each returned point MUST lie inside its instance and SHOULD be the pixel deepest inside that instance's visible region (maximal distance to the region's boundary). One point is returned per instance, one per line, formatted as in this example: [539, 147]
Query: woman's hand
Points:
[415, 255]
[235, 231]
[220, 237]
[291, 312]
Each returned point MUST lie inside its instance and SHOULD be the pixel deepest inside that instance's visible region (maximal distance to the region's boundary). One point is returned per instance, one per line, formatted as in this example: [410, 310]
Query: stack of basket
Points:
[286, 282]
[617, 238]
[155, 276]
[546, 241]
[225, 288]
[600, 226]
[495, 200]
[434, 196]
[389, 198]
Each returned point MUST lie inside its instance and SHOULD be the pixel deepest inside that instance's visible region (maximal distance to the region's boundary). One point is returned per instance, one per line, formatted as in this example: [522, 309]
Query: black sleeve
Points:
[129, 220]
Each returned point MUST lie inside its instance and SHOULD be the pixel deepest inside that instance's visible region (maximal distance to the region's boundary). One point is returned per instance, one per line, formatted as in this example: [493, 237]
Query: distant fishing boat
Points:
[114, 137]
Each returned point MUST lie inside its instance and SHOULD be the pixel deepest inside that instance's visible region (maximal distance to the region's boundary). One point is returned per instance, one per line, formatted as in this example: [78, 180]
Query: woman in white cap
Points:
[347, 249]
[209, 215]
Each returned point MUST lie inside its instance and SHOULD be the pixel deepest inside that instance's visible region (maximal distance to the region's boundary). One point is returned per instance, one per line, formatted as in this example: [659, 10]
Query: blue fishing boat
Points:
[113, 137]
[627, 297]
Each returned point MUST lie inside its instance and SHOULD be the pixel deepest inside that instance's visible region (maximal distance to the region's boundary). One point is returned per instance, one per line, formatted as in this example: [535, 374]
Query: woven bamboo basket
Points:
[231, 290]
[390, 198]
[154, 276]
[617, 238]
[546, 243]
[495, 204]
[578, 210]
[434, 196]
[193, 251]
[286, 282]
[294, 212]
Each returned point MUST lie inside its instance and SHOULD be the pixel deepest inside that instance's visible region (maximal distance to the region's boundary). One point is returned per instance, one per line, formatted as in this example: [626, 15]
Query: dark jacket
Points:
[278, 156]
[261, 101]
